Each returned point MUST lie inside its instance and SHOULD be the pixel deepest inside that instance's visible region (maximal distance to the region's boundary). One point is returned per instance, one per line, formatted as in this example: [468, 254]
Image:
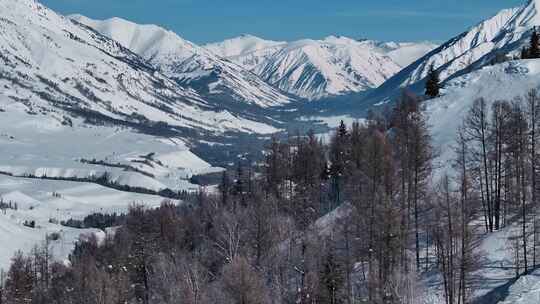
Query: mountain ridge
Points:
[189, 64]
[315, 69]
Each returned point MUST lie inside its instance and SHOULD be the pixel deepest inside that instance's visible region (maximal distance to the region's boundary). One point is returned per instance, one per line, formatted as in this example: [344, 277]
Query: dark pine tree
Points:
[339, 155]
[433, 85]
[342, 131]
[325, 172]
[239, 185]
[534, 48]
[524, 53]
[332, 278]
[225, 188]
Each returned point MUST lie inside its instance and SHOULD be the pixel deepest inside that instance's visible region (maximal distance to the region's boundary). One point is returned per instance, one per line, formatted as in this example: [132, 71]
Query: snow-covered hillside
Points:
[526, 290]
[505, 33]
[189, 64]
[314, 69]
[504, 81]
[71, 97]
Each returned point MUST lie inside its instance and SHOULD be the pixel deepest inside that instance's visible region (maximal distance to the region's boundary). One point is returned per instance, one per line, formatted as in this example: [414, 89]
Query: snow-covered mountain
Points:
[315, 69]
[190, 65]
[503, 34]
[55, 66]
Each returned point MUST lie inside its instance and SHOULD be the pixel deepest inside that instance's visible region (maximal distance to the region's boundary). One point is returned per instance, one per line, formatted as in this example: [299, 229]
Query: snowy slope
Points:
[499, 82]
[69, 94]
[526, 290]
[314, 69]
[505, 81]
[505, 33]
[187, 63]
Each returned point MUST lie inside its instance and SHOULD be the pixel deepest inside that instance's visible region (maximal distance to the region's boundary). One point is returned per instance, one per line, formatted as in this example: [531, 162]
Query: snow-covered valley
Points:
[47, 203]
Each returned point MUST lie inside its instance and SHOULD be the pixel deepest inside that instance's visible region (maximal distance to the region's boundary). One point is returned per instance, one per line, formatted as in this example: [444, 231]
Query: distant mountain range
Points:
[266, 73]
[315, 69]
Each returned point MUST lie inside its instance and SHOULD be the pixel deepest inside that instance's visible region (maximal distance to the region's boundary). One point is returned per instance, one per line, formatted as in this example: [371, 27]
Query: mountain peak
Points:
[142, 39]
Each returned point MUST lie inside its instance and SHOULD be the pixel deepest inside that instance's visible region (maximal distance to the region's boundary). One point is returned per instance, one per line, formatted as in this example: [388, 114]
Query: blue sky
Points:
[212, 20]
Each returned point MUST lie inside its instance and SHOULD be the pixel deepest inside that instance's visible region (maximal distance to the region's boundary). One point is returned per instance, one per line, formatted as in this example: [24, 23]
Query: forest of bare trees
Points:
[358, 220]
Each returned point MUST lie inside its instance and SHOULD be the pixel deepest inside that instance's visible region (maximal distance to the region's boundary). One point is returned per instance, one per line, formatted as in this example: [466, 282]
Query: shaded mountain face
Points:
[315, 69]
[503, 34]
[54, 65]
[190, 65]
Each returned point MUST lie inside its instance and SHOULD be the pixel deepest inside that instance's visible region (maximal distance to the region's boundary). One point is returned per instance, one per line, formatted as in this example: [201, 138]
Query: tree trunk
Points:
[486, 170]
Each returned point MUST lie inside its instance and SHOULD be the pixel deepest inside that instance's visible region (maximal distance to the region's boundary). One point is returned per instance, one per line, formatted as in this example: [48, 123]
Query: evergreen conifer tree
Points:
[225, 188]
[433, 83]
[339, 156]
[524, 53]
[534, 48]
[332, 278]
